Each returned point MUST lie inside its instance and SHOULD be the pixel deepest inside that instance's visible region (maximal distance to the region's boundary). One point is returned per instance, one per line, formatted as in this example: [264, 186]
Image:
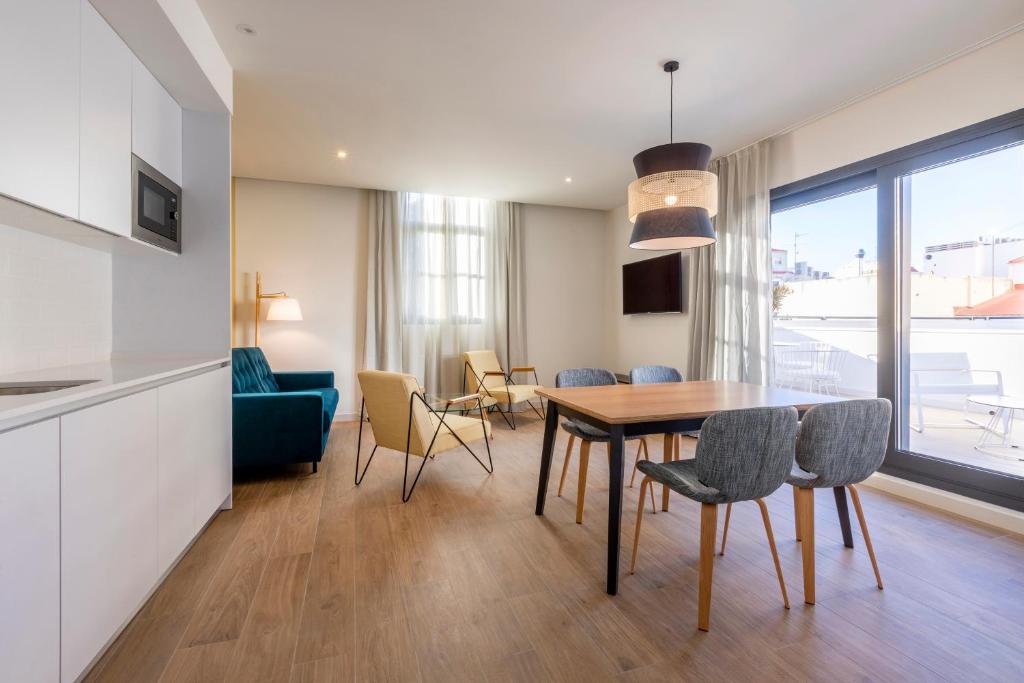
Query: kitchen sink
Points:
[21, 388]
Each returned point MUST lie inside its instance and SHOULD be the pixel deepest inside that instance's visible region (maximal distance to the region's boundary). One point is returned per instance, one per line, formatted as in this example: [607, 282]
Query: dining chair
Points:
[741, 455]
[585, 377]
[840, 445]
[483, 374]
[402, 419]
[658, 374]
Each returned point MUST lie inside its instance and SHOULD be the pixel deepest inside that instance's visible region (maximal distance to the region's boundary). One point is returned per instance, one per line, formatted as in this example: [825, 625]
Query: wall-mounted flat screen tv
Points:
[653, 285]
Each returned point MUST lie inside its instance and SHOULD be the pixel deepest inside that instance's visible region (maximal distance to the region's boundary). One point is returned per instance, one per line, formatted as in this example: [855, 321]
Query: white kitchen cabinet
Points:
[156, 123]
[39, 82]
[195, 457]
[30, 553]
[109, 511]
[105, 180]
[214, 472]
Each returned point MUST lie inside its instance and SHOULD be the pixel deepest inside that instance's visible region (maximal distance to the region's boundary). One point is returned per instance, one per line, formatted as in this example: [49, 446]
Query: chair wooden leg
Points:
[645, 486]
[805, 510]
[796, 513]
[654, 507]
[581, 487]
[725, 530]
[864, 530]
[565, 463]
[641, 446]
[708, 533]
[775, 553]
[668, 449]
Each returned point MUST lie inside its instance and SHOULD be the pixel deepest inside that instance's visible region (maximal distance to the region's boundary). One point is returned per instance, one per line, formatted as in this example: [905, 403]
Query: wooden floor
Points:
[311, 579]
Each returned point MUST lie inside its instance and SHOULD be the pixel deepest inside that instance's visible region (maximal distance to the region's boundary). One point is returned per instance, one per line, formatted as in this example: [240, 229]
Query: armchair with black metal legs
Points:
[483, 374]
[403, 419]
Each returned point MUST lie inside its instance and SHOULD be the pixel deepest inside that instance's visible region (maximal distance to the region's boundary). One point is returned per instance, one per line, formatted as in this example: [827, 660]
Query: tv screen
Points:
[653, 286]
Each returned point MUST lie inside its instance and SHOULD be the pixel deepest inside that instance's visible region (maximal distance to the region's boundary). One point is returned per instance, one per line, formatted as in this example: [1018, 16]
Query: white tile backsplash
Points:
[55, 302]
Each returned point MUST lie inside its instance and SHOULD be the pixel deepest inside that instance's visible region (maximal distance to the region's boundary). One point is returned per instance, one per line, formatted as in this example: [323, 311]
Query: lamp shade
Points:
[673, 198]
[284, 308]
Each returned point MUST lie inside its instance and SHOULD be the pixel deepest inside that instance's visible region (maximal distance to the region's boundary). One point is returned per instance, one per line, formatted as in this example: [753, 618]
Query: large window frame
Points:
[884, 172]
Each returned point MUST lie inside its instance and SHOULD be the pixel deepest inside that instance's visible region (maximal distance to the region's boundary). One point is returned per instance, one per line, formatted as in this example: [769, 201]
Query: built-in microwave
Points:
[156, 207]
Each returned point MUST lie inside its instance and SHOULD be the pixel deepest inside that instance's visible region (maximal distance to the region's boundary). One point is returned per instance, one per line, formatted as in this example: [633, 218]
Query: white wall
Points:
[650, 339]
[565, 288]
[55, 302]
[310, 240]
[978, 86]
[173, 305]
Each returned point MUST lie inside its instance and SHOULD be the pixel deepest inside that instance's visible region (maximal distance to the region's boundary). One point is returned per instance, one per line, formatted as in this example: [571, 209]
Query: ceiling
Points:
[506, 99]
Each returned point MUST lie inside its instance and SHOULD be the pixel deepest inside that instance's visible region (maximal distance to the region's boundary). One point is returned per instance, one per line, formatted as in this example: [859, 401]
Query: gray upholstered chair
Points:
[742, 455]
[840, 444]
[657, 374]
[584, 377]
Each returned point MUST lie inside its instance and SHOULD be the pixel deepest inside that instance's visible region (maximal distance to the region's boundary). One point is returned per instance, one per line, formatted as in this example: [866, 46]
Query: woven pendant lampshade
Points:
[674, 196]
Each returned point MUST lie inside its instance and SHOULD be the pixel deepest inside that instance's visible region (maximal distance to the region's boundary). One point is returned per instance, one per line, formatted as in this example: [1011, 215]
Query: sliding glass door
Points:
[944, 340]
[958, 227]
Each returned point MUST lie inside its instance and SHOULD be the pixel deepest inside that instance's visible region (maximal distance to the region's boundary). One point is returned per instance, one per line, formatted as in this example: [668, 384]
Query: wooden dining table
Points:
[630, 410]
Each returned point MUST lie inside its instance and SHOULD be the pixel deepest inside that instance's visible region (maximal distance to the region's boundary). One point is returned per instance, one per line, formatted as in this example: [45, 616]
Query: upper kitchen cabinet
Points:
[106, 126]
[156, 123]
[39, 79]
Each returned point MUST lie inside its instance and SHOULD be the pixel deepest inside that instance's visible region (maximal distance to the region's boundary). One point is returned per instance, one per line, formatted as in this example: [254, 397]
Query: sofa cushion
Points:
[250, 372]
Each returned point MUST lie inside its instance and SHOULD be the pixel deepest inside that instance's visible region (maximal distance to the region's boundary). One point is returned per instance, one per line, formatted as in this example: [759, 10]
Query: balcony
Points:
[951, 358]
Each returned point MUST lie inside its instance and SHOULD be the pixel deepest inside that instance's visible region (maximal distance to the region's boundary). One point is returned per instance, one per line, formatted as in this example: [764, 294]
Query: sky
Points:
[957, 202]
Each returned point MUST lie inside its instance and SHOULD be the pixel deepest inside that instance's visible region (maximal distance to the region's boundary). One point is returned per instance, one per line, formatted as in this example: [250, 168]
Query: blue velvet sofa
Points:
[278, 417]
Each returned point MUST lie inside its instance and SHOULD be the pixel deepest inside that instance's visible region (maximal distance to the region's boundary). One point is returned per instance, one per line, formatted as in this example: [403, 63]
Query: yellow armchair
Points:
[402, 419]
[482, 373]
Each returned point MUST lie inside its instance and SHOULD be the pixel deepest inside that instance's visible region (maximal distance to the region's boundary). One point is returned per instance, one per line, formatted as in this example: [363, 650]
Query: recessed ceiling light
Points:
[568, 179]
[246, 29]
[342, 154]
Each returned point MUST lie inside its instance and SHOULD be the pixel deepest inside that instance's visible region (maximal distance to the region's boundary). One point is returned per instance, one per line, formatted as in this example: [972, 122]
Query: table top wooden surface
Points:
[632, 403]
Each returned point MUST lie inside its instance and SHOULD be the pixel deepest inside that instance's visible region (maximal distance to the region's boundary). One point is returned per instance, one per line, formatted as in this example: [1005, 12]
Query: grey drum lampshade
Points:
[673, 198]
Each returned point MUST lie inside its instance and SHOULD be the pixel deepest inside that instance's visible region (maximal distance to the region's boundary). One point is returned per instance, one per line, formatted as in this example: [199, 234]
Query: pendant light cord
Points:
[671, 105]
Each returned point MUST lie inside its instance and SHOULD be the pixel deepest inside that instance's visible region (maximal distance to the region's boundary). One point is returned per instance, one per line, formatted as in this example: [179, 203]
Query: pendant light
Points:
[674, 196]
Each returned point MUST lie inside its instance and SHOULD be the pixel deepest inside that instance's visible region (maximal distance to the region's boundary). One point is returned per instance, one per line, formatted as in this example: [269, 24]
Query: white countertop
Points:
[115, 377]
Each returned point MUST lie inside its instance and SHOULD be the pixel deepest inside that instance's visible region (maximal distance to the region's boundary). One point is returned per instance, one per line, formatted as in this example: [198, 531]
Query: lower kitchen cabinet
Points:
[194, 474]
[30, 553]
[109, 511]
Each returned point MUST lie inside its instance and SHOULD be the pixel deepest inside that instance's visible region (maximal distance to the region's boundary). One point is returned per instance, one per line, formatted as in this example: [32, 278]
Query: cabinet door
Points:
[195, 457]
[156, 123]
[30, 553]
[39, 79]
[214, 481]
[105, 181]
[108, 522]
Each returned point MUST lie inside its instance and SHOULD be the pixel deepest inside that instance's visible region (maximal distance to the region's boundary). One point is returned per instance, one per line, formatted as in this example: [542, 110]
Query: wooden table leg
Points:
[616, 446]
[550, 425]
[668, 450]
[844, 515]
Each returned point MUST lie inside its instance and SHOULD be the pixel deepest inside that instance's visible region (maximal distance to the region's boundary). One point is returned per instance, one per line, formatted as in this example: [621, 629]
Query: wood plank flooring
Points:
[310, 579]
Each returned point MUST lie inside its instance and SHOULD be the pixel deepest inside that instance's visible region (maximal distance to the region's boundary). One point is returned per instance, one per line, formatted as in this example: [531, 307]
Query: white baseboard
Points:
[346, 417]
[979, 511]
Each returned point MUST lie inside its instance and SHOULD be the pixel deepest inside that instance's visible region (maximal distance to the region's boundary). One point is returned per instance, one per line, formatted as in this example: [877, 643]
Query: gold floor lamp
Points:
[282, 307]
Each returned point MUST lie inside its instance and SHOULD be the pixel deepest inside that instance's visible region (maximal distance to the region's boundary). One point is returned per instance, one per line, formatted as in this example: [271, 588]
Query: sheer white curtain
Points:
[730, 306]
[443, 279]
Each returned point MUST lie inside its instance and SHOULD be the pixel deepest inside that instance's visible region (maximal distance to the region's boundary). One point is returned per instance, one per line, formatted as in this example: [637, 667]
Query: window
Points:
[824, 294]
[947, 275]
[446, 240]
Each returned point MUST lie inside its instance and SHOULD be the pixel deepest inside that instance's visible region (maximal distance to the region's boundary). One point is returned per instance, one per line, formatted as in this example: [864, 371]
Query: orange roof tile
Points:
[1009, 303]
